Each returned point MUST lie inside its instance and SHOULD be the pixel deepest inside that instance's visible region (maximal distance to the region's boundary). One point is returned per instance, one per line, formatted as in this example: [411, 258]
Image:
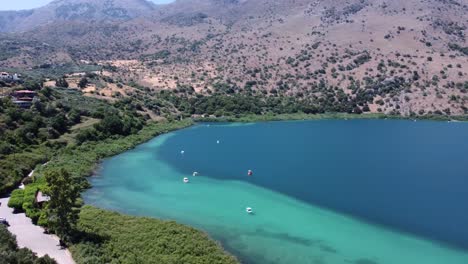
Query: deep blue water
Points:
[410, 176]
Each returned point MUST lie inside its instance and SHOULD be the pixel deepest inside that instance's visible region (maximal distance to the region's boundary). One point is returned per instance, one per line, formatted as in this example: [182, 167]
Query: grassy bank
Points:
[109, 237]
[303, 116]
[287, 117]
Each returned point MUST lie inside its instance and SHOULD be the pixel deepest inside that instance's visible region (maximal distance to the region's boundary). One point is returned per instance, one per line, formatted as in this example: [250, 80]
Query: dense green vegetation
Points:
[303, 116]
[11, 254]
[51, 70]
[80, 161]
[32, 136]
[104, 130]
[62, 209]
[110, 237]
[221, 104]
[74, 133]
[14, 167]
[241, 105]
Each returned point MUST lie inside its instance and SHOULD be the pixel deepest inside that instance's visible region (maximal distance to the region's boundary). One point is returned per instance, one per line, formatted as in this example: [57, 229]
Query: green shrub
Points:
[16, 199]
[31, 211]
[43, 219]
[110, 237]
[30, 192]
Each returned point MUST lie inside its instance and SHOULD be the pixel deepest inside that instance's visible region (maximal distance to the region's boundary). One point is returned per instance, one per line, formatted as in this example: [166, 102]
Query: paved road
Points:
[31, 236]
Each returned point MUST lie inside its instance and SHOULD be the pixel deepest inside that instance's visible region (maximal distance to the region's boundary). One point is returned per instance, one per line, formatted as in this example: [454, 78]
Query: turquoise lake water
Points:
[325, 192]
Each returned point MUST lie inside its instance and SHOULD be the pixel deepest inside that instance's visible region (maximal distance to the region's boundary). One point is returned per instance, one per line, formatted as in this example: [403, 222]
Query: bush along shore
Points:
[109, 237]
[303, 116]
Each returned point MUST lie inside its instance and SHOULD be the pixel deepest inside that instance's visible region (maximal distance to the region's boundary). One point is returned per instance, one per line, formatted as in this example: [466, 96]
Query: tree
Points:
[86, 135]
[74, 116]
[83, 82]
[61, 210]
[32, 85]
[59, 123]
[111, 124]
[61, 82]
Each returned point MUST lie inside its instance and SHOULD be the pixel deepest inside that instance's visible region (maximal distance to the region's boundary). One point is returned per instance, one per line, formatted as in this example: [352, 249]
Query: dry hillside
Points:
[356, 55]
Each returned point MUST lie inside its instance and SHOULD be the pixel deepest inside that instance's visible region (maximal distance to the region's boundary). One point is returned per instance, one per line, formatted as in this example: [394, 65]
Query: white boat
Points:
[195, 173]
[182, 152]
[249, 210]
[217, 141]
[186, 180]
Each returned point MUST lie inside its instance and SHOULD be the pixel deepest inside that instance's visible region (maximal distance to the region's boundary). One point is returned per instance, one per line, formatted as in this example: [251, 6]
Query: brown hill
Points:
[390, 56]
[59, 11]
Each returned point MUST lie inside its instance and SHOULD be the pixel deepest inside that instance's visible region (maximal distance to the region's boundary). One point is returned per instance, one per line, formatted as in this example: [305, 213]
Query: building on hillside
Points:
[24, 94]
[23, 104]
[41, 198]
[5, 76]
[24, 98]
[15, 77]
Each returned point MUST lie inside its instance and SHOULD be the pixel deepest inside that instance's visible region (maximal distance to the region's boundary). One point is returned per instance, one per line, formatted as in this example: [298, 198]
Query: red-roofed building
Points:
[24, 93]
[24, 98]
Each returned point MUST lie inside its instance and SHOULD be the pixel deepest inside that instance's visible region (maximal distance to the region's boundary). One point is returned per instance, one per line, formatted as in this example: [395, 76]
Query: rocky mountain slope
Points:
[406, 57]
[60, 11]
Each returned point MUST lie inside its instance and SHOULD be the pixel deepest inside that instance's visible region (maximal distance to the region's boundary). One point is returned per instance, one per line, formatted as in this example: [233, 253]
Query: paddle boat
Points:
[195, 173]
[182, 152]
[186, 180]
[249, 172]
[217, 141]
[249, 210]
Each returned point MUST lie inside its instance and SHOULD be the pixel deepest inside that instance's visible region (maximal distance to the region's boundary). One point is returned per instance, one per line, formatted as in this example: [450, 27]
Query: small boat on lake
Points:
[182, 152]
[195, 173]
[249, 210]
[249, 172]
[186, 180]
[217, 141]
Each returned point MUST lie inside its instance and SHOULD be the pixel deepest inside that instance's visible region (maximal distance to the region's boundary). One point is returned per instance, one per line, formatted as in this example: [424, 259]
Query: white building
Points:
[16, 77]
[9, 77]
[5, 76]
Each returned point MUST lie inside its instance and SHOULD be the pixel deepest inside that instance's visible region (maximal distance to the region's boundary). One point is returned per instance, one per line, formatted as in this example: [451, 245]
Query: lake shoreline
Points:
[325, 116]
[148, 133]
[234, 239]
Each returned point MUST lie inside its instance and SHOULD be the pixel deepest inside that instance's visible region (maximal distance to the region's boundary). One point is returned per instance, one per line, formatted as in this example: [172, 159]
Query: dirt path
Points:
[31, 236]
